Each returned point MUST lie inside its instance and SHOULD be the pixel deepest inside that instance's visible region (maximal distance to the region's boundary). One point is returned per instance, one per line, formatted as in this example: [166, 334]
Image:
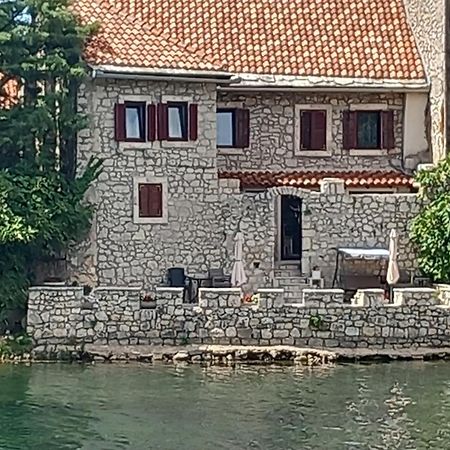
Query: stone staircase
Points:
[292, 281]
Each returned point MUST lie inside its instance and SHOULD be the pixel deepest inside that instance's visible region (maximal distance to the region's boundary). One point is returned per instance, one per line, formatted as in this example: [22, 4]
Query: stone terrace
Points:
[417, 317]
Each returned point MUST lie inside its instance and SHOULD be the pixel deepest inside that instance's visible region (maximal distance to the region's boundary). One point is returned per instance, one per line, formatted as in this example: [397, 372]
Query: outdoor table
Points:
[194, 284]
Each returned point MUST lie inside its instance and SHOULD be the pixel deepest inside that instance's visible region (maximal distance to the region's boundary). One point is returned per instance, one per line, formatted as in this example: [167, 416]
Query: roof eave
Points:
[250, 82]
[149, 73]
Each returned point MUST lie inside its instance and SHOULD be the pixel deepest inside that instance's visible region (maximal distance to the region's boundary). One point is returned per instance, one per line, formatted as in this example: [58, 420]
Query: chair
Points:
[218, 279]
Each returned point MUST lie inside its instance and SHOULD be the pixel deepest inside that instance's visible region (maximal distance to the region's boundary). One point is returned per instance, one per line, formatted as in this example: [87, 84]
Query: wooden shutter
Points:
[242, 117]
[151, 123]
[350, 130]
[143, 200]
[119, 122]
[163, 125]
[318, 130]
[193, 122]
[387, 130]
[155, 200]
[305, 130]
[150, 200]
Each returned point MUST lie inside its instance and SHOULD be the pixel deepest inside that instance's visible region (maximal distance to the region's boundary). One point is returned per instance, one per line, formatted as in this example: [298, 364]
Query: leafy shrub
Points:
[430, 230]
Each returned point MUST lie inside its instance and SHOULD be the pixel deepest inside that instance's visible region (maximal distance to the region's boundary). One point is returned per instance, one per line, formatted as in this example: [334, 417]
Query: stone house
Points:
[298, 123]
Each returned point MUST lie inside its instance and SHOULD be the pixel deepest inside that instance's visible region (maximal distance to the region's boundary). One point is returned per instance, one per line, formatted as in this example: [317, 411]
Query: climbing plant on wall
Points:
[41, 196]
[430, 230]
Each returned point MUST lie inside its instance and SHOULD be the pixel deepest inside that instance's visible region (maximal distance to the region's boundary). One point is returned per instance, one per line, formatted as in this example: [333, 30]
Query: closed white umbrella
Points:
[393, 274]
[238, 276]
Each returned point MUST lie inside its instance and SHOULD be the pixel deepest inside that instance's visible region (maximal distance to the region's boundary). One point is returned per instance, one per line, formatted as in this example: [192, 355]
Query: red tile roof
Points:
[124, 40]
[8, 93]
[310, 180]
[327, 38]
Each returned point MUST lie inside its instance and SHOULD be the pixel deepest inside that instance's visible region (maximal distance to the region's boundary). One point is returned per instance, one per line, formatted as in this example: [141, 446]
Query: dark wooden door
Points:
[291, 226]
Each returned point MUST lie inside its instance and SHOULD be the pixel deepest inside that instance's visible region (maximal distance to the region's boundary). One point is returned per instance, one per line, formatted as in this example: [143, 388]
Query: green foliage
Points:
[430, 230]
[42, 210]
[41, 51]
[315, 321]
[50, 215]
[11, 346]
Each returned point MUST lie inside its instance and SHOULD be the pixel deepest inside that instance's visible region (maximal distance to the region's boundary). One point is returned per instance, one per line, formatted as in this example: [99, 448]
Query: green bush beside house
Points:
[41, 198]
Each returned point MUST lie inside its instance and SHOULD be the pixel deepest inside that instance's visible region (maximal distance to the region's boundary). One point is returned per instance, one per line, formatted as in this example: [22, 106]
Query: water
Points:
[396, 406]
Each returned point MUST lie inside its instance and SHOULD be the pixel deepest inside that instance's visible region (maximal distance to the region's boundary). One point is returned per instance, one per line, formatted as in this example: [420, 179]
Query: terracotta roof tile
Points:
[125, 40]
[8, 93]
[311, 180]
[329, 38]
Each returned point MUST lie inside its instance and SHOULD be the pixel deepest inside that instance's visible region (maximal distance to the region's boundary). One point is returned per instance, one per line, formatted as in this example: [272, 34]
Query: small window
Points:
[134, 121]
[226, 128]
[233, 127]
[368, 129]
[177, 121]
[150, 200]
[313, 130]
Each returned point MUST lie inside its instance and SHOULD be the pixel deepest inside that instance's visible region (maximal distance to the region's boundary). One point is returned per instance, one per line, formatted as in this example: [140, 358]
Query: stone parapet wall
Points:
[110, 316]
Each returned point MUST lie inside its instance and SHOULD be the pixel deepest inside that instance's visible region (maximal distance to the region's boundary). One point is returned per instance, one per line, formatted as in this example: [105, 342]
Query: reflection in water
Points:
[397, 406]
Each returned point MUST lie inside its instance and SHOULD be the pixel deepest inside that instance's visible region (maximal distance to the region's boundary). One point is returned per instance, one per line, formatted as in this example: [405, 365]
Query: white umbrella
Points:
[238, 277]
[393, 274]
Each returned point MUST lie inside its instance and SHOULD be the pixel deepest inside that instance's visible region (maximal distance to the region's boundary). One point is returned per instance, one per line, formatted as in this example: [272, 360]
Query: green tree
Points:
[41, 197]
[430, 230]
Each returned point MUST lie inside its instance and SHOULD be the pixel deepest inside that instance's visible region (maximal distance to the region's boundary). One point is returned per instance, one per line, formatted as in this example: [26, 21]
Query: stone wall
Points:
[63, 316]
[120, 251]
[204, 213]
[429, 21]
[272, 133]
[330, 218]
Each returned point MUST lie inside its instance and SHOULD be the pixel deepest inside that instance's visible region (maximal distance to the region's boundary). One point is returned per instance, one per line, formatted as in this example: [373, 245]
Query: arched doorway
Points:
[290, 229]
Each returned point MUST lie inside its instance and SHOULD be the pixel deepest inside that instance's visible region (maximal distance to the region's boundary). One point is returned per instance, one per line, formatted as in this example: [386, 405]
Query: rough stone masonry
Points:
[418, 317]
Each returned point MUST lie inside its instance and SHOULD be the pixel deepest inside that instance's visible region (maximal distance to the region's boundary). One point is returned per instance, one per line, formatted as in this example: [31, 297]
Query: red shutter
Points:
[151, 123]
[318, 130]
[242, 128]
[350, 130]
[305, 130]
[387, 127]
[119, 122]
[143, 200]
[193, 122]
[155, 200]
[150, 200]
[163, 117]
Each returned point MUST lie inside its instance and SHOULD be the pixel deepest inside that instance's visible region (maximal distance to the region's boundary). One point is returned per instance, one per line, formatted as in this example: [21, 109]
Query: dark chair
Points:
[177, 277]
[218, 279]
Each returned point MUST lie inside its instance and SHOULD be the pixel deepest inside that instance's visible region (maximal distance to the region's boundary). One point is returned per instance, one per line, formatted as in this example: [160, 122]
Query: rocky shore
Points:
[223, 354]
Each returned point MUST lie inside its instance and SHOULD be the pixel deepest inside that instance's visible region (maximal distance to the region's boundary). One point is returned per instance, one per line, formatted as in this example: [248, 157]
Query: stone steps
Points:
[291, 281]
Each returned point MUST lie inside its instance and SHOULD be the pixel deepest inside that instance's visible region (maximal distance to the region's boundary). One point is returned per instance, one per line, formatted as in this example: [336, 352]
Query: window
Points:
[177, 121]
[150, 200]
[141, 122]
[135, 121]
[313, 130]
[130, 120]
[369, 130]
[226, 128]
[233, 127]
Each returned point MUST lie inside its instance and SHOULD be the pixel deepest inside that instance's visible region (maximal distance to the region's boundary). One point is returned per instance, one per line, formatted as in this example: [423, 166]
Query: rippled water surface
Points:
[397, 406]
